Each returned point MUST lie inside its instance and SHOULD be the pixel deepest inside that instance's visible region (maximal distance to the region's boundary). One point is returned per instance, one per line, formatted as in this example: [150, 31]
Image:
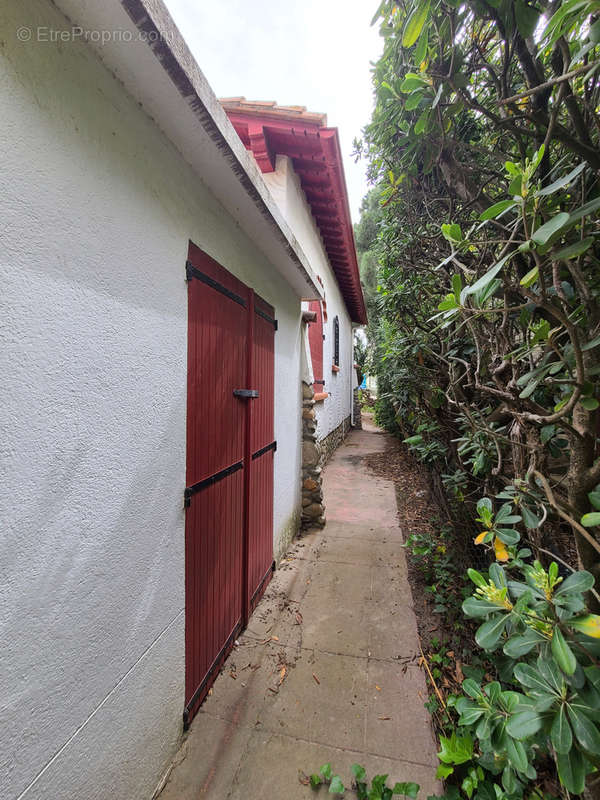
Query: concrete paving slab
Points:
[295, 758]
[398, 694]
[207, 760]
[330, 711]
[351, 549]
[335, 645]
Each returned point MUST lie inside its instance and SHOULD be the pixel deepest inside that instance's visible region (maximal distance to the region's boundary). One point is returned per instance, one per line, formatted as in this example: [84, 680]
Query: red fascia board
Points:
[331, 141]
[312, 147]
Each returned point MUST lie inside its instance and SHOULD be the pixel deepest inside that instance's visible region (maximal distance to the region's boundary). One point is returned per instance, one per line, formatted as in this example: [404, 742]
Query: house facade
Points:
[153, 355]
[301, 162]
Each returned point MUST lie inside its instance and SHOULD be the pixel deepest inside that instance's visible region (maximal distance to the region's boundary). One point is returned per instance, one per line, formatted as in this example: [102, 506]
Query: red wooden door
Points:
[229, 477]
[260, 453]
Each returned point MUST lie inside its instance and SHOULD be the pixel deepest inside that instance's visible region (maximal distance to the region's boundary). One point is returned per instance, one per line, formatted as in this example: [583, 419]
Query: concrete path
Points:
[327, 669]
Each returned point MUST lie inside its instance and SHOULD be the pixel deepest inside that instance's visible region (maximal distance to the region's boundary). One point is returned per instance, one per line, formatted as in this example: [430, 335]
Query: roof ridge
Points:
[271, 107]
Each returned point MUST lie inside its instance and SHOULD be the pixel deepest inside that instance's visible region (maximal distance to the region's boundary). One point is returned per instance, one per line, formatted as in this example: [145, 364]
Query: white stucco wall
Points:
[97, 208]
[286, 188]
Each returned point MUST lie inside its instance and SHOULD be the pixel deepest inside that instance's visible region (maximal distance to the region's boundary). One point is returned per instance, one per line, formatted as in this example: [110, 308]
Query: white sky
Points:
[314, 53]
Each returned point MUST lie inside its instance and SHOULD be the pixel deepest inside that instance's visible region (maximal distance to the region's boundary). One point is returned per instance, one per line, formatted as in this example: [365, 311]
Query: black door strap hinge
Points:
[218, 476]
[266, 317]
[246, 393]
[271, 446]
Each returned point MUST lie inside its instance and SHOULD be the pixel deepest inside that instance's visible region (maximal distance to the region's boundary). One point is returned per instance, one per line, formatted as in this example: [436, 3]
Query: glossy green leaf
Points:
[591, 520]
[421, 48]
[508, 536]
[530, 278]
[526, 17]
[530, 520]
[411, 82]
[571, 770]
[498, 208]
[560, 732]
[413, 100]
[443, 772]
[485, 279]
[562, 652]
[474, 607]
[531, 678]
[518, 646]
[517, 755]
[414, 24]
[455, 749]
[452, 232]
[585, 210]
[573, 250]
[594, 498]
[546, 231]
[488, 635]
[476, 577]
[581, 581]
[406, 789]
[524, 724]
[421, 123]
[585, 731]
[560, 183]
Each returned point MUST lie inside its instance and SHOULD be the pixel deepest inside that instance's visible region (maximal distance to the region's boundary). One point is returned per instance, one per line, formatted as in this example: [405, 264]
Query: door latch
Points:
[246, 393]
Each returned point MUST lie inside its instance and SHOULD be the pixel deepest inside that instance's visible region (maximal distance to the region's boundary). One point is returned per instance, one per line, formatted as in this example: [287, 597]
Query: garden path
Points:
[327, 670]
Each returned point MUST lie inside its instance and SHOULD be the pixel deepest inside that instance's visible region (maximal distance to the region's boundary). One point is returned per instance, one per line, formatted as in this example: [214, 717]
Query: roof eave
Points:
[156, 67]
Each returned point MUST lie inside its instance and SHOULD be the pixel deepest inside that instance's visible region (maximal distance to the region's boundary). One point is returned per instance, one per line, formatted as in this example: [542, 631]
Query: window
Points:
[336, 341]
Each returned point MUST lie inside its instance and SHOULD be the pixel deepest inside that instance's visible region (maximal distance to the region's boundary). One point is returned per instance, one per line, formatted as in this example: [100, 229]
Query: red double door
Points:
[229, 480]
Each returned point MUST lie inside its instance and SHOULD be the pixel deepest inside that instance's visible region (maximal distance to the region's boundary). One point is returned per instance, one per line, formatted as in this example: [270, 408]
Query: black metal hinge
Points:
[218, 476]
[246, 393]
[266, 317]
[192, 272]
[272, 446]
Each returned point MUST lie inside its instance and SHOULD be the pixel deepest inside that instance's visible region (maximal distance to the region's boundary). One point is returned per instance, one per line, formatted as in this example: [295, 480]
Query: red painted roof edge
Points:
[334, 133]
[287, 119]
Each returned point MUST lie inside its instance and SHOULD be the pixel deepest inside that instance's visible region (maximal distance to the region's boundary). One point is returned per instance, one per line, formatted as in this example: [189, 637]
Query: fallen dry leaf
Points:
[316, 679]
[383, 717]
[304, 779]
[378, 688]
[282, 674]
[299, 618]
[275, 638]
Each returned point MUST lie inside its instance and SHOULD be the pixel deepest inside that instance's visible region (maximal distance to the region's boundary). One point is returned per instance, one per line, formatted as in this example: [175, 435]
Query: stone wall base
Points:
[334, 439]
[313, 508]
[357, 410]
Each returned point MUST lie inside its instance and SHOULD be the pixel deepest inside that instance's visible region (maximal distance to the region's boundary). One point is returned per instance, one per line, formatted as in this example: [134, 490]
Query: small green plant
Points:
[379, 790]
[549, 705]
[425, 445]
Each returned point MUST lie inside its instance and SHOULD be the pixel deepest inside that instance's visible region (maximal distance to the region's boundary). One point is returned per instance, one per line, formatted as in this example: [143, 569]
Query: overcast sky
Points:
[314, 53]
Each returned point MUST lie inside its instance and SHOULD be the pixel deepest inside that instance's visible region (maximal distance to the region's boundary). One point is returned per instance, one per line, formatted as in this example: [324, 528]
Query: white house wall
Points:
[97, 209]
[285, 186]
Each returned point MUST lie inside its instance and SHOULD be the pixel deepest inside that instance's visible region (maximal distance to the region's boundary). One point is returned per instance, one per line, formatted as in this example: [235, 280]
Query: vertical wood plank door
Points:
[214, 497]
[229, 469]
[261, 453]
